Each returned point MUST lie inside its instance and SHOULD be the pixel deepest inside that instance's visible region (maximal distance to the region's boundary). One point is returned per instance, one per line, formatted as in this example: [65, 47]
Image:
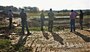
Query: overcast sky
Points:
[47, 4]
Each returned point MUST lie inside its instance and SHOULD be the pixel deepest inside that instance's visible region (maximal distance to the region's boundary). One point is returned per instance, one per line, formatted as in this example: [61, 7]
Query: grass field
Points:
[46, 14]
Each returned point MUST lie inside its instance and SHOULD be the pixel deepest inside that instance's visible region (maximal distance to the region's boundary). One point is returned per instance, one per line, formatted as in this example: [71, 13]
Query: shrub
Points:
[4, 43]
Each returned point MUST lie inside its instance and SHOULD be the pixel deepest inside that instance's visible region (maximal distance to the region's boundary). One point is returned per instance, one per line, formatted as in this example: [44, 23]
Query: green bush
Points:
[4, 43]
[25, 49]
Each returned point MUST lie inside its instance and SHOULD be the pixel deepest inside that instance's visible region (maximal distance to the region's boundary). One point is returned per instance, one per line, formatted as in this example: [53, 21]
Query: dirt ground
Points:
[62, 41]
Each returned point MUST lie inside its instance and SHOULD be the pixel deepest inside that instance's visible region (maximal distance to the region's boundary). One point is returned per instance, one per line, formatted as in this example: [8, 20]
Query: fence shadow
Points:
[84, 37]
[57, 38]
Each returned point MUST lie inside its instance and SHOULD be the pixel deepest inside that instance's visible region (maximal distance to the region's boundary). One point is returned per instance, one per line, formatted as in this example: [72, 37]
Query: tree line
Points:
[15, 9]
[36, 9]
